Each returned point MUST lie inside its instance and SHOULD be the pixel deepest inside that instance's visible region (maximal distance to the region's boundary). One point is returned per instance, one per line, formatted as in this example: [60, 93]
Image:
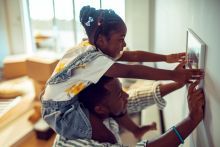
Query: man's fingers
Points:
[201, 101]
[198, 96]
[198, 92]
[192, 87]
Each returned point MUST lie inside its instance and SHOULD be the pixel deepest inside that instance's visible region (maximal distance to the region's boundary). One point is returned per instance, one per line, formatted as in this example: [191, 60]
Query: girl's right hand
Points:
[196, 102]
[183, 76]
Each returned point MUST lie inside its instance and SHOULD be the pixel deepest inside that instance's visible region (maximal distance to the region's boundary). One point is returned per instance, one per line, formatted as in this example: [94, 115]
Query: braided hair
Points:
[101, 21]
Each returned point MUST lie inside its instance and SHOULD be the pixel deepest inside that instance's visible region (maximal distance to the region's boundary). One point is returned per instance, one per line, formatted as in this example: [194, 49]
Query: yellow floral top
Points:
[79, 67]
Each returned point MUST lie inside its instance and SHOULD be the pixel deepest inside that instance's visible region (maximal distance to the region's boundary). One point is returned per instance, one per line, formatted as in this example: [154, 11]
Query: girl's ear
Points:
[101, 110]
[101, 41]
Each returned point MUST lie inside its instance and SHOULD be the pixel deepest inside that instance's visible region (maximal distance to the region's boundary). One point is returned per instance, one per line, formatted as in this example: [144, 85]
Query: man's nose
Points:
[125, 97]
[124, 44]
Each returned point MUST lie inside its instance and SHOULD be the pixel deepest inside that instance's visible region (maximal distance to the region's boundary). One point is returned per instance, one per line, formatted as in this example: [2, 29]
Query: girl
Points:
[88, 62]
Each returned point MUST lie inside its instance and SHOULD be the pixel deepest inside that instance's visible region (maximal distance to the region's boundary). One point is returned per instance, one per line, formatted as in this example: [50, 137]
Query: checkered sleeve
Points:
[144, 97]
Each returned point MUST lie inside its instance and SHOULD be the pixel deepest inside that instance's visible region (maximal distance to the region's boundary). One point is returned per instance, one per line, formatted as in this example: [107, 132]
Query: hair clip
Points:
[89, 21]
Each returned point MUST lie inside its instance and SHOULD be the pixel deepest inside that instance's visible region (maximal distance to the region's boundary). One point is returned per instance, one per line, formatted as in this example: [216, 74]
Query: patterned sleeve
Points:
[62, 142]
[144, 97]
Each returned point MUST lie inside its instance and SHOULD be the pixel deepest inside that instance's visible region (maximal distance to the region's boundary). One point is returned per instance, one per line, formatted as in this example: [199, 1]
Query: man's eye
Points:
[119, 95]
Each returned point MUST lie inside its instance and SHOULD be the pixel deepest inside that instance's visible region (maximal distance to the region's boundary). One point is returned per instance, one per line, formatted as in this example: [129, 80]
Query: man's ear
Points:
[101, 110]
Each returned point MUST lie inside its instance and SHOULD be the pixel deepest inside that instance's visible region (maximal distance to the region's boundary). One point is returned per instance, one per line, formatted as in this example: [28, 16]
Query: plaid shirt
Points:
[139, 99]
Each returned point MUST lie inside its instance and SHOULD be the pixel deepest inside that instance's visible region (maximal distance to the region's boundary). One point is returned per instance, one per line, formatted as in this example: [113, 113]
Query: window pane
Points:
[41, 9]
[64, 9]
[80, 33]
[56, 25]
[64, 23]
[41, 13]
[80, 3]
[117, 5]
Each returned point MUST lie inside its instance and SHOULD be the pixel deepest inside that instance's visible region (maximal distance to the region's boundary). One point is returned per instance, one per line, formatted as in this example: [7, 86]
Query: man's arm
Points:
[169, 87]
[196, 103]
[142, 97]
[170, 139]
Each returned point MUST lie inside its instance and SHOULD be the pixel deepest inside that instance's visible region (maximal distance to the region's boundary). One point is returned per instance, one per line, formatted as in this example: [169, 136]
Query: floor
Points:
[31, 141]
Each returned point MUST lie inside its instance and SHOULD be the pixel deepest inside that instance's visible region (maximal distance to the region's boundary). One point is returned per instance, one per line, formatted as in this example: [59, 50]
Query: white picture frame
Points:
[195, 53]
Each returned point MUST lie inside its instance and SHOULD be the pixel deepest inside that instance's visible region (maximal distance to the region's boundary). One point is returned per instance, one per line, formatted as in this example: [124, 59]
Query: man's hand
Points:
[196, 102]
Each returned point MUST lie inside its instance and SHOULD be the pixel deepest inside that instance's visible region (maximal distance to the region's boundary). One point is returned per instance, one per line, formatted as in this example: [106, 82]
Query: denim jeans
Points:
[67, 118]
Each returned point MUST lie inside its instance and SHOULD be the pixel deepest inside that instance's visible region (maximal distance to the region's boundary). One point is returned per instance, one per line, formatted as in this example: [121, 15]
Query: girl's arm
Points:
[136, 130]
[126, 122]
[144, 72]
[142, 56]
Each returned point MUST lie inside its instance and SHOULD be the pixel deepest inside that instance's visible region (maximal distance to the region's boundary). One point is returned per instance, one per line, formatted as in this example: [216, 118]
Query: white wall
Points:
[3, 33]
[17, 32]
[169, 22]
[15, 26]
[137, 21]
[137, 38]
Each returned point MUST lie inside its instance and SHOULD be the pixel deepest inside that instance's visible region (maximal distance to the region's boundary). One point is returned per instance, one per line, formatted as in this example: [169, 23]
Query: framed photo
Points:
[195, 50]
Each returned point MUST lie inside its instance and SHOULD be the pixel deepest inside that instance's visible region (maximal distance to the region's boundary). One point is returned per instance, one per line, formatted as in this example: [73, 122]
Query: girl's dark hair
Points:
[94, 93]
[101, 21]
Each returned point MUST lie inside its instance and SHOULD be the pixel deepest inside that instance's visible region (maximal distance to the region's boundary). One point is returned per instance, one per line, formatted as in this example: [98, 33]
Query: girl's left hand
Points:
[173, 58]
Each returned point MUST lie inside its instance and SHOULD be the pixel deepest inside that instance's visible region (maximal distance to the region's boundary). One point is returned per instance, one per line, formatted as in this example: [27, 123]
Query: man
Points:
[106, 99]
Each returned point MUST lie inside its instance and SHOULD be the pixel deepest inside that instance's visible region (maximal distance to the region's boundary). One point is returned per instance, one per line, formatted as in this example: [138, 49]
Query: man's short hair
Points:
[94, 93]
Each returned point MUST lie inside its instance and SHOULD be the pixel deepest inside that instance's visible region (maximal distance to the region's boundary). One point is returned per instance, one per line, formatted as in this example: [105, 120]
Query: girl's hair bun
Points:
[85, 13]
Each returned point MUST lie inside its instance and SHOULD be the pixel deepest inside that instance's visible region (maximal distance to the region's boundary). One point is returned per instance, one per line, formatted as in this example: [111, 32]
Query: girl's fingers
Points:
[196, 71]
[181, 65]
[190, 81]
[181, 54]
[196, 77]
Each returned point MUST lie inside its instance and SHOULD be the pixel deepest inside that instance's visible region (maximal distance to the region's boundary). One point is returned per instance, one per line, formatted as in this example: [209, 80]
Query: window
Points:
[55, 23]
[42, 22]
